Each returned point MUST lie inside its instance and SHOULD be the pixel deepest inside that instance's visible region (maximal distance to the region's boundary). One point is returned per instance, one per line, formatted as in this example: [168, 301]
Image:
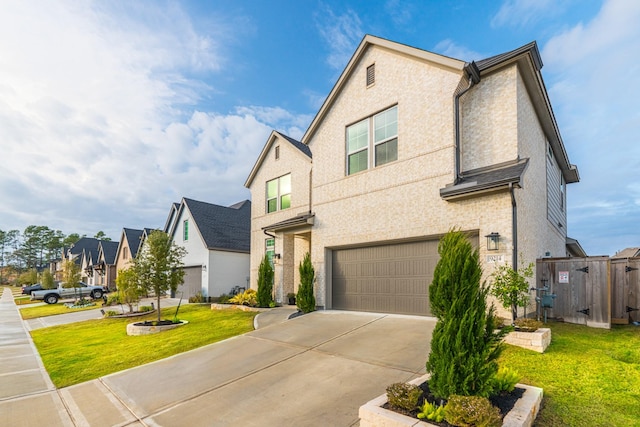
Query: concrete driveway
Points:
[314, 370]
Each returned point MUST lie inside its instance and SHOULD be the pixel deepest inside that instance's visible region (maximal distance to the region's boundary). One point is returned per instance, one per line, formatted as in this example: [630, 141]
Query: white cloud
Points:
[451, 49]
[590, 70]
[97, 124]
[522, 13]
[341, 33]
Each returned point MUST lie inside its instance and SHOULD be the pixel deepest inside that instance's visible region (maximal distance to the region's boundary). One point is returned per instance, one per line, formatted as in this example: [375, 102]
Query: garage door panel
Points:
[391, 278]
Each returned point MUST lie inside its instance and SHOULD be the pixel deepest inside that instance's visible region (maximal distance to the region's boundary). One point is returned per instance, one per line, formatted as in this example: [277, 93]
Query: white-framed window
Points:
[279, 193]
[563, 192]
[185, 230]
[373, 140]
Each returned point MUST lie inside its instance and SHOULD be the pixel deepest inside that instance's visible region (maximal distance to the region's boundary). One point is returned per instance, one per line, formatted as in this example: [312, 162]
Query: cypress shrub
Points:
[265, 283]
[465, 343]
[305, 300]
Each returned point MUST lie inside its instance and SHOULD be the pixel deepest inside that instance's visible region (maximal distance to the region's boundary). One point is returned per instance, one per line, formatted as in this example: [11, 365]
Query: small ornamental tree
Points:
[70, 274]
[47, 280]
[129, 290]
[465, 343]
[265, 283]
[159, 265]
[305, 300]
[511, 288]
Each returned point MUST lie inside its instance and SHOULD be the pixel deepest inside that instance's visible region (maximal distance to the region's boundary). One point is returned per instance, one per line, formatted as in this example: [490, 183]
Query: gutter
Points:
[514, 226]
[473, 73]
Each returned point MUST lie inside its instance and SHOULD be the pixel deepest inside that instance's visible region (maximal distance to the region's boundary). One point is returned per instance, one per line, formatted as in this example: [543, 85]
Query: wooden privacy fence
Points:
[582, 289]
[592, 291]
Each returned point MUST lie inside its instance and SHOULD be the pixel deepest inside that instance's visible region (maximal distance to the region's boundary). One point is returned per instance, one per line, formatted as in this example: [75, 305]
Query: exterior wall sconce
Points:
[276, 256]
[493, 241]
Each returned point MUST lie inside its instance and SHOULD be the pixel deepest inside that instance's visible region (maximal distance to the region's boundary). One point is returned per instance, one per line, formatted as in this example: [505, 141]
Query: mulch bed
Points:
[504, 403]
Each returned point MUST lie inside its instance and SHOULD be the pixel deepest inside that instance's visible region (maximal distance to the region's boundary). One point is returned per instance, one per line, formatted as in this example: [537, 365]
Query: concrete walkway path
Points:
[313, 370]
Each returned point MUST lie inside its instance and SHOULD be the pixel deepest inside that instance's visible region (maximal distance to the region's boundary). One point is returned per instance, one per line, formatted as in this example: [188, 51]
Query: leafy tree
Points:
[159, 265]
[8, 240]
[47, 280]
[70, 274]
[465, 343]
[28, 277]
[511, 287]
[265, 283]
[305, 300]
[101, 236]
[71, 239]
[129, 289]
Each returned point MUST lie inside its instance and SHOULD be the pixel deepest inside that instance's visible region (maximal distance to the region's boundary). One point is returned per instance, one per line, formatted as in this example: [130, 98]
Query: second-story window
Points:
[373, 140]
[279, 193]
[185, 230]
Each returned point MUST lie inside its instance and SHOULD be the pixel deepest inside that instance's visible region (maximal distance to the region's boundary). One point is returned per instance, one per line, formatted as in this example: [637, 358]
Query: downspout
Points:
[514, 226]
[473, 73]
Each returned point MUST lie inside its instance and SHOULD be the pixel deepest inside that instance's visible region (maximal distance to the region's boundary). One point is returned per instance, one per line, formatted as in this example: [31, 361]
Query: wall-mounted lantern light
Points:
[493, 241]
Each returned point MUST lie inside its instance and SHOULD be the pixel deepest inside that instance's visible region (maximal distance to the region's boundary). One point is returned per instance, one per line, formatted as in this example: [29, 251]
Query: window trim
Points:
[185, 230]
[372, 144]
[279, 196]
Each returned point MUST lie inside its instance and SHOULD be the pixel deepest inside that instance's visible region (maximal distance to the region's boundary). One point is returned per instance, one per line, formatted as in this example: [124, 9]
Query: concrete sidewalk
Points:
[314, 370]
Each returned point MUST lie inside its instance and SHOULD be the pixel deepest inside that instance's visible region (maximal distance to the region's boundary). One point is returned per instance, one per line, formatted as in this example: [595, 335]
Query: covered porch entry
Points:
[289, 241]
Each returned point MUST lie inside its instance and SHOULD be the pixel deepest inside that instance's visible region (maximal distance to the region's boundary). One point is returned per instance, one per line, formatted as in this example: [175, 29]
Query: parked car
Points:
[26, 290]
[51, 296]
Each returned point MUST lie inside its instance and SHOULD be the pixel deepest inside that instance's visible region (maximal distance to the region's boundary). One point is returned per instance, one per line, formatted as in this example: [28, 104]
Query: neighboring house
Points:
[216, 239]
[408, 145]
[130, 243]
[88, 259]
[104, 270]
[628, 253]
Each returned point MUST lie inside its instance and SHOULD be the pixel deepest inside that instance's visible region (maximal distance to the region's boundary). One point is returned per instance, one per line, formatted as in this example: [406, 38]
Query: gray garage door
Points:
[192, 282]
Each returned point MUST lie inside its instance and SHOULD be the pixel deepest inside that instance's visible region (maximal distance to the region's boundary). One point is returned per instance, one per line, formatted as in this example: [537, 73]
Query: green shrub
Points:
[265, 283]
[223, 299]
[465, 343]
[305, 300]
[145, 308]
[431, 412]
[113, 299]
[468, 411]
[511, 288]
[110, 313]
[403, 396]
[248, 298]
[528, 324]
[505, 381]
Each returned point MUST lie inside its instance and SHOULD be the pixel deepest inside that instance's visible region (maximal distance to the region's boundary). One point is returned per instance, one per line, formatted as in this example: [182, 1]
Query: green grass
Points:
[87, 350]
[590, 377]
[52, 310]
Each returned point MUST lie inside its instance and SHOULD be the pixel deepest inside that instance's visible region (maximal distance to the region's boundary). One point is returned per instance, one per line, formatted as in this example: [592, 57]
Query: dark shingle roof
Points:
[299, 145]
[133, 238]
[85, 243]
[486, 63]
[226, 228]
[109, 250]
[485, 179]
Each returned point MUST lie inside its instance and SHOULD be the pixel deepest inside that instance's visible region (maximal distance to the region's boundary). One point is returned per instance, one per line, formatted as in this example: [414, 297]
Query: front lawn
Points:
[590, 377]
[52, 309]
[91, 349]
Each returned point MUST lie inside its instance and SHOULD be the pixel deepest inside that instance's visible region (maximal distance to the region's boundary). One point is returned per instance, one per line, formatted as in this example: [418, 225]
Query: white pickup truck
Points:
[51, 296]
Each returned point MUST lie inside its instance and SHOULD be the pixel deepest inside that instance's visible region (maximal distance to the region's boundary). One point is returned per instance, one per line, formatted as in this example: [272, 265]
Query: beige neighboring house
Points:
[131, 240]
[627, 253]
[408, 145]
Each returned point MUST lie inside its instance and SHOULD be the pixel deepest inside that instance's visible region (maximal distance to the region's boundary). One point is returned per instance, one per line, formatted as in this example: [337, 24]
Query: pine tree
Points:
[265, 283]
[305, 299]
[465, 344]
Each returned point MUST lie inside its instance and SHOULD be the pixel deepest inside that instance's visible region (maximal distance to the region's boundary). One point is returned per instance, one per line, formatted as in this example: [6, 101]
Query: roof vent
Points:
[371, 74]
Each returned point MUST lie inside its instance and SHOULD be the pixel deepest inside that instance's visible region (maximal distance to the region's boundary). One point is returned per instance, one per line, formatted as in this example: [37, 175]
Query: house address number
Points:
[495, 259]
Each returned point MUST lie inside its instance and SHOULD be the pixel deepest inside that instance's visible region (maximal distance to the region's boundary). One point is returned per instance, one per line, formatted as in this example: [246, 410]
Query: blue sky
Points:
[111, 111]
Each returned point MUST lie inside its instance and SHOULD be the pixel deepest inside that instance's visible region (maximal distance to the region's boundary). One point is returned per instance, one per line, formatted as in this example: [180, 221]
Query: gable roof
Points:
[302, 148]
[628, 253]
[529, 64]
[108, 250]
[455, 65]
[171, 218]
[221, 228]
[77, 249]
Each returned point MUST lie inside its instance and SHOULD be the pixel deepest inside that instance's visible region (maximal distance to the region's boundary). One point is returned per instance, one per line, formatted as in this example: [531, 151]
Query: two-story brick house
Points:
[407, 145]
